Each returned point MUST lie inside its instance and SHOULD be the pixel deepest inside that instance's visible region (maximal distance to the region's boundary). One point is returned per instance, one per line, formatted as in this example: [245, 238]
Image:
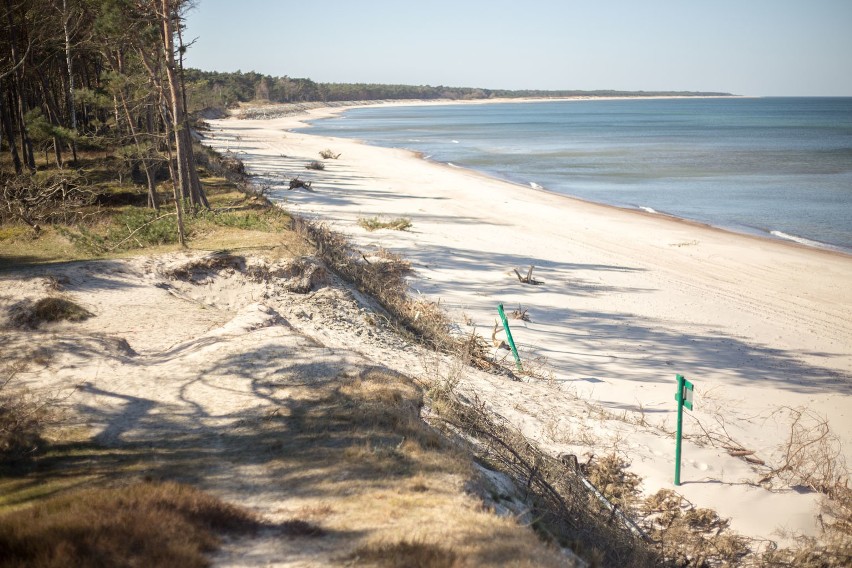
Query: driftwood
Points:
[528, 279]
[498, 343]
[296, 183]
[521, 314]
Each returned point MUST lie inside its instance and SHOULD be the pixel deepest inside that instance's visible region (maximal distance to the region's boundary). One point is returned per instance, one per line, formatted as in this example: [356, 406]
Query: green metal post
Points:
[509, 336]
[679, 397]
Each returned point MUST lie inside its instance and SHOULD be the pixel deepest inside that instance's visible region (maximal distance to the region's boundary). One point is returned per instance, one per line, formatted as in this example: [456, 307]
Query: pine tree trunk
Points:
[71, 107]
[10, 136]
[190, 185]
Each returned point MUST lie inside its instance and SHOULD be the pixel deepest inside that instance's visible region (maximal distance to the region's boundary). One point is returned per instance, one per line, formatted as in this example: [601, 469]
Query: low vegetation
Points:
[382, 275]
[30, 315]
[114, 220]
[140, 524]
[376, 223]
[328, 155]
[22, 416]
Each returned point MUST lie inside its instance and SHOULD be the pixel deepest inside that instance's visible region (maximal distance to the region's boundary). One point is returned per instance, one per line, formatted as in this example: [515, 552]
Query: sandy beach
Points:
[627, 300]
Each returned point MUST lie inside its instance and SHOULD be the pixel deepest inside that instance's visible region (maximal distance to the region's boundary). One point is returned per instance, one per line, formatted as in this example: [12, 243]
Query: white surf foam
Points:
[647, 209]
[800, 240]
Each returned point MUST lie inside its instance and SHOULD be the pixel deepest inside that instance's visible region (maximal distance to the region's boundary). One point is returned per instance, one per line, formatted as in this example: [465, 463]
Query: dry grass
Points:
[360, 443]
[30, 315]
[376, 223]
[812, 455]
[22, 417]
[327, 154]
[383, 277]
[119, 224]
[564, 509]
[689, 536]
[405, 553]
[610, 475]
[143, 524]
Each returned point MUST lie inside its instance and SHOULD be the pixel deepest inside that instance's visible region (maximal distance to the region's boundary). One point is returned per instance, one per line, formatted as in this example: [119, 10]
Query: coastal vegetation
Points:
[99, 163]
[376, 223]
[215, 89]
[88, 83]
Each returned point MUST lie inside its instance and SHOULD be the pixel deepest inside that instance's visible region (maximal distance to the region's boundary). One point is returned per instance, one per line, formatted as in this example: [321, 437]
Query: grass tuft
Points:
[298, 527]
[21, 417]
[144, 524]
[406, 553]
[328, 155]
[29, 315]
[375, 223]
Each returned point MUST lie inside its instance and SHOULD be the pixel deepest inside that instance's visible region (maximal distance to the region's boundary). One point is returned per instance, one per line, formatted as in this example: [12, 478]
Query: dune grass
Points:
[359, 442]
[141, 524]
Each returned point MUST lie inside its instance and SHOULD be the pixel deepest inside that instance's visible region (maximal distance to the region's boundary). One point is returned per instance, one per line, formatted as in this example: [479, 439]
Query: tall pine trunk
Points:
[187, 174]
[10, 134]
[70, 94]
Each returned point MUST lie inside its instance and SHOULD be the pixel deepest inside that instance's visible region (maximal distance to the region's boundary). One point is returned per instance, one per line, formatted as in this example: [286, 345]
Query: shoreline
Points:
[772, 235]
[629, 299]
[759, 234]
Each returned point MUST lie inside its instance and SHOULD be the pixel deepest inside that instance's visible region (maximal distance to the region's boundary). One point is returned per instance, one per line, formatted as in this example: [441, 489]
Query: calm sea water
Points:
[779, 167]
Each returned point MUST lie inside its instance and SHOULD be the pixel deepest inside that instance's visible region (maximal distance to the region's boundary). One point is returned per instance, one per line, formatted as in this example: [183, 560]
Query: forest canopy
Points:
[214, 89]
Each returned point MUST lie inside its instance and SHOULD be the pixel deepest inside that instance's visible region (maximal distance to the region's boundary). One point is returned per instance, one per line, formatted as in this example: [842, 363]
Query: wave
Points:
[534, 185]
[648, 209]
[454, 141]
[800, 240]
[452, 165]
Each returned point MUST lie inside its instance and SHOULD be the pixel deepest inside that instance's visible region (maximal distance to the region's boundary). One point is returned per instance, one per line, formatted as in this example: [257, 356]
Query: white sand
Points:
[629, 299]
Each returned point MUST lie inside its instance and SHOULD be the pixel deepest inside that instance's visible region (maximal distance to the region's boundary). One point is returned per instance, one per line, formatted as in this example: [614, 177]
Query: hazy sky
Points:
[747, 47]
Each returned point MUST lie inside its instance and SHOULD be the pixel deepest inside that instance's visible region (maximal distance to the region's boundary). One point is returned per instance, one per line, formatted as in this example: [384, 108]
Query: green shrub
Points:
[139, 228]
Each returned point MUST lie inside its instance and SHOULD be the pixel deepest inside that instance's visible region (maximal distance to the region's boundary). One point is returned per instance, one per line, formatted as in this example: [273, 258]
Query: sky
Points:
[745, 47]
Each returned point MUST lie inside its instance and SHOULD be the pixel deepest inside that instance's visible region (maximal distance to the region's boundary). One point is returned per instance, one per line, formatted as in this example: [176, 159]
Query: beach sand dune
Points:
[628, 300]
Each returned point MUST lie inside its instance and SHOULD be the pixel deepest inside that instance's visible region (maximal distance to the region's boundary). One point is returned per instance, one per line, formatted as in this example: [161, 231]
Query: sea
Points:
[776, 167]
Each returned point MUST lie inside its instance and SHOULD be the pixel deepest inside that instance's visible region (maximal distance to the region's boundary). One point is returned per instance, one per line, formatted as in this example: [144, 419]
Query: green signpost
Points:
[509, 336]
[683, 396]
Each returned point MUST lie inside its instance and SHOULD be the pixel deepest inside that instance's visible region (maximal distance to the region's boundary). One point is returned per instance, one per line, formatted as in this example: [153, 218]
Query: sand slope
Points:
[628, 300]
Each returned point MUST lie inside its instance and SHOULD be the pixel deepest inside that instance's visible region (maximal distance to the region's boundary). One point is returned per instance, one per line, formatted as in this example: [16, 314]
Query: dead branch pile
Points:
[565, 508]
[690, 536]
[200, 269]
[384, 279]
[812, 455]
[44, 197]
[232, 163]
[296, 183]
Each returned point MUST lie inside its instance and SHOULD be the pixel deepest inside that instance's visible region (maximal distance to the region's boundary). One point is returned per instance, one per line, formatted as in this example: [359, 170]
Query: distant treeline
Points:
[216, 89]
